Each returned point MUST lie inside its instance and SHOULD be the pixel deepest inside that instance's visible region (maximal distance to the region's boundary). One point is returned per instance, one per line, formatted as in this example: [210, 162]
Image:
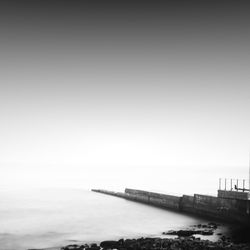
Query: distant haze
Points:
[111, 94]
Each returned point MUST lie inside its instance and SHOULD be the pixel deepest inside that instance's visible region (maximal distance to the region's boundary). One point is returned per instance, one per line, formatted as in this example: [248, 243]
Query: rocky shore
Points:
[180, 243]
[201, 229]
[184, 240]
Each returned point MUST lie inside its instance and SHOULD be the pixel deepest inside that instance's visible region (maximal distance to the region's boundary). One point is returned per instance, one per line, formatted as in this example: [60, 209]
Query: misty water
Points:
[42, 218]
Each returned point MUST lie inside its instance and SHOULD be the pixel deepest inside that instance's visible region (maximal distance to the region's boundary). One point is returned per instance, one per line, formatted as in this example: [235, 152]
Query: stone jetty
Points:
[229, 206]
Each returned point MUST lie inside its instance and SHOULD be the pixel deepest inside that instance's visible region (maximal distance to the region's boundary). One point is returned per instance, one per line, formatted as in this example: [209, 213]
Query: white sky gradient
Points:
[154, 103]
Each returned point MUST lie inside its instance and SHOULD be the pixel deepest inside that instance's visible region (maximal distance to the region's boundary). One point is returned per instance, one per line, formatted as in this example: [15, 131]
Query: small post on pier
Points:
[220, 184]
[231, 184]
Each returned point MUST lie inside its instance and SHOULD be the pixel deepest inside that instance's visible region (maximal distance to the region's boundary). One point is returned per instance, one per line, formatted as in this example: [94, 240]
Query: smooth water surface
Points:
[54, 217]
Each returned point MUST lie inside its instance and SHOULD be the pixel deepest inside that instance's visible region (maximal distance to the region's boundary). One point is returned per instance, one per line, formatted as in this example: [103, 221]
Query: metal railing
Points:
[241, 185]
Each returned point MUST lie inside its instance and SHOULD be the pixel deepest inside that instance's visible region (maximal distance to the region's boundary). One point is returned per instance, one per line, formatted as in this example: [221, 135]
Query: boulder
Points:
[109, 244]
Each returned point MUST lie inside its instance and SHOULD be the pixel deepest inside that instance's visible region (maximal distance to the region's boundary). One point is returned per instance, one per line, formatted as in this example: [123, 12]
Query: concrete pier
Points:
[226, 206]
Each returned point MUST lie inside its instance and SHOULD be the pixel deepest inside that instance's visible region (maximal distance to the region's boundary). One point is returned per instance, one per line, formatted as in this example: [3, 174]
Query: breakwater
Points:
[226, 206]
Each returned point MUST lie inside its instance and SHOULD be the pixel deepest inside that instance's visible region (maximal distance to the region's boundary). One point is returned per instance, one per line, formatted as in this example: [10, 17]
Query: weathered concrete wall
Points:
[234, 210]
[222, 208]
[233, 195]
[187, 203]
[156, 199]
[137, 195]
[207, 205]
[117, 194]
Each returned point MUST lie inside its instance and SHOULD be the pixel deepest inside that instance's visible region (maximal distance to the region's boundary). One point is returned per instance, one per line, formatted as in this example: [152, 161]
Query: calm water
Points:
[55, 217]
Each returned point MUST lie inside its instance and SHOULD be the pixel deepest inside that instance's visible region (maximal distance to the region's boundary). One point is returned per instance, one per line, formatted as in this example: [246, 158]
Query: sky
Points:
[112, 94]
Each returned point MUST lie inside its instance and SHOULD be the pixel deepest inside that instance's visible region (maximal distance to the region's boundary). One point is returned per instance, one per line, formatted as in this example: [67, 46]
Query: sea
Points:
[53, 217]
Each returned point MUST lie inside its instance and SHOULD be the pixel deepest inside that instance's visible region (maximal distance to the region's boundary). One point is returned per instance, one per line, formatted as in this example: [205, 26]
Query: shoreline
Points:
[156, 243]
[198, 237]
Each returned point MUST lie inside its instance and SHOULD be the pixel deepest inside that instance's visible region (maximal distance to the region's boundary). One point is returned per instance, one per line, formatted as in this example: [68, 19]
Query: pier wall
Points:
[233, 194]
[156, 199]
[228, 209]
[187, 204]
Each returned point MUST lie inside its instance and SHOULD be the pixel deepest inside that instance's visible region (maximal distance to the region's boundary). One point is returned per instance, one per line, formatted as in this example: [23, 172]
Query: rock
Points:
[72, 247]
[207, 232]
[185, 233]
[180, 243]
[109, 244]
[121, 242]
[92, 248]
[129, 242]
[188, 233]
[203, 230]
[223, 238]
[213, 224]
[170, 232]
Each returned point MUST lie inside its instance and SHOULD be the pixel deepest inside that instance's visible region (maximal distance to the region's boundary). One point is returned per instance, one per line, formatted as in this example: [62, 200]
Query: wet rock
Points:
[223, 238]
[210, 225]
[109, 244]
[130, 242]
[213, 225]
[185, 233]
[121, 242]
[200, 229]
[72, 247]
[207, 232]
[93, 248]
[188, 233]
[180, 243]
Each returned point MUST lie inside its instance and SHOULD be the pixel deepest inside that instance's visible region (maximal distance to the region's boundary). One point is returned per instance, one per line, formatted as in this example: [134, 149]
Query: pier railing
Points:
[239, 185]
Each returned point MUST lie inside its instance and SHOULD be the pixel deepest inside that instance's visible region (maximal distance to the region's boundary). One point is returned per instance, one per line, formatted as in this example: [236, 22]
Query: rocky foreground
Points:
[181, 243]
[185, 240]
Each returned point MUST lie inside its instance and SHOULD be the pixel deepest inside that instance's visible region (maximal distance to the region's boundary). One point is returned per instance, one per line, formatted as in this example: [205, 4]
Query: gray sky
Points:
[95, 92]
